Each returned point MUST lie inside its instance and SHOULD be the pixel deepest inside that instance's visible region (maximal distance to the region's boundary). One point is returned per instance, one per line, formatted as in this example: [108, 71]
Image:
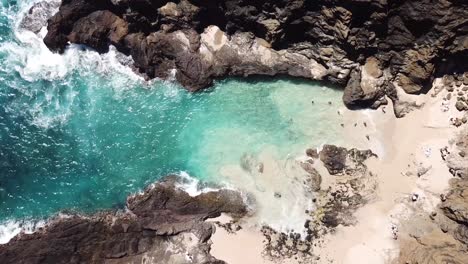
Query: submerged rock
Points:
[314, 179]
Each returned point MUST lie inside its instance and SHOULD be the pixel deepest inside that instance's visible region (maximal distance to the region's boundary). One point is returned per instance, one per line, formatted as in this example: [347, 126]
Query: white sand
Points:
[405, 146]
[244, 246]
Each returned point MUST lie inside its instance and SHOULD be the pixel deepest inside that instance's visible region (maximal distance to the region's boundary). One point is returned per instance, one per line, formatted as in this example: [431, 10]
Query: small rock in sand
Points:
[394, 232]
[415, 197]
[452, 171]
[444, 227]
[443, 198]
[461, 106]
[312, 153]
[260, 167]
[423, 170]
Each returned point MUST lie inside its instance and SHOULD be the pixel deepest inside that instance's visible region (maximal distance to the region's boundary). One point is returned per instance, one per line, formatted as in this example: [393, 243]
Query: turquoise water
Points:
[81, 132]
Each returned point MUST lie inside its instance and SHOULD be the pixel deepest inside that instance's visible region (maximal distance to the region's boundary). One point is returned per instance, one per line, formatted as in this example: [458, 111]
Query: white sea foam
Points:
[191, 185]
[279, 195]
[10, 229]
[33, 61]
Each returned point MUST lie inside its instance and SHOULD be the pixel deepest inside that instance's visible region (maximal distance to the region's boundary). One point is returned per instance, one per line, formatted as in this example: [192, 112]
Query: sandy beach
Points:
[411, 176]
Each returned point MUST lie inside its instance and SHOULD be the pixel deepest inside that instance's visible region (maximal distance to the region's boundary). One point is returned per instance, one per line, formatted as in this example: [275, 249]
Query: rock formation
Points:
[335, 200]
[455, 202]
[365, 46]
[339, 160]
[163, 224]
[448, 244]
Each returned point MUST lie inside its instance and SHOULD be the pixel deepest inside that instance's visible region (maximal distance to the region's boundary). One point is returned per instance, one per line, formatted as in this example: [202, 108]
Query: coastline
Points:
[387, 201]
[409, 164]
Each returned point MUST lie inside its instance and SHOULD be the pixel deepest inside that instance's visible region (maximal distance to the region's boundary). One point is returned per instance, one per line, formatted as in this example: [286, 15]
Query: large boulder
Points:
[365, 87]
[99, 30]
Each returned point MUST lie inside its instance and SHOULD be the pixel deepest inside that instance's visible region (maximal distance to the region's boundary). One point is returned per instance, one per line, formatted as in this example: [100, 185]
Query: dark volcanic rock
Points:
[339, 160]
[407, 42]
[334, 158]
[158, 228]
[99, 30]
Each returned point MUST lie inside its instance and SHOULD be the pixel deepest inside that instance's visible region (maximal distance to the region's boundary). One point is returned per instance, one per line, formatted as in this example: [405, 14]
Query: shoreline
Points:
[409, 166]
[385, 205]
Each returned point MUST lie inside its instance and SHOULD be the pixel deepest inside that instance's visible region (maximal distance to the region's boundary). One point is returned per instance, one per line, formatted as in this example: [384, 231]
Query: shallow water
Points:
[80, 131]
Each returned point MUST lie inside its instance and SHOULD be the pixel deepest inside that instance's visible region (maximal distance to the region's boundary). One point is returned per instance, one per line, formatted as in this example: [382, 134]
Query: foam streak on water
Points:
[81, 131]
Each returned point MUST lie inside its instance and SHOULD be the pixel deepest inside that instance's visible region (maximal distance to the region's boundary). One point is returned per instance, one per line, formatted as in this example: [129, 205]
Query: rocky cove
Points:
[385, 198]
[361, 45]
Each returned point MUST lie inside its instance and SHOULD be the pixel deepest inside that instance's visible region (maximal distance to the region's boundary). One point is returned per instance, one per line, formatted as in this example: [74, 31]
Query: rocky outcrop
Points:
[362, 45]
[448, 243]
[163, 224]
[354, 187]
[456, 205]
[455, 202]
[335, 200]
[339, 160]
[334, 158]
[38, 15]
[432, 249]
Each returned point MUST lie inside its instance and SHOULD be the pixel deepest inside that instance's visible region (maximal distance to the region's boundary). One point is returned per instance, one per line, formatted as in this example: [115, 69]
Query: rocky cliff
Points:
[366, 46]
[163, 224]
